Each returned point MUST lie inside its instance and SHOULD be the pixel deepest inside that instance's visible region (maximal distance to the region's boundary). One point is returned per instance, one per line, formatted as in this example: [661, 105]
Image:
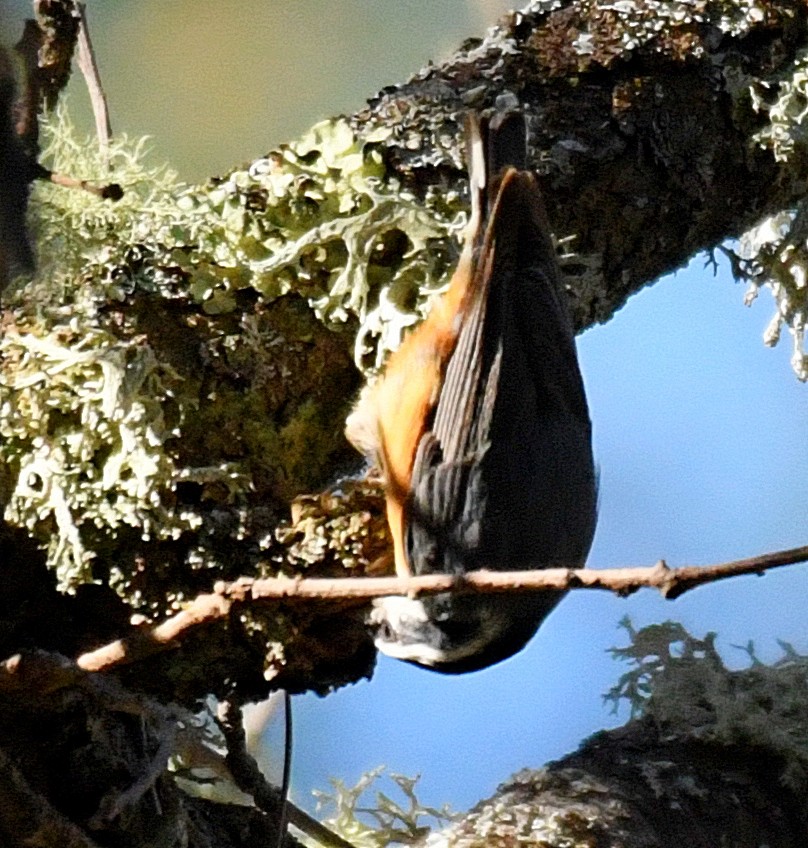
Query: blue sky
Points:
[700, 430]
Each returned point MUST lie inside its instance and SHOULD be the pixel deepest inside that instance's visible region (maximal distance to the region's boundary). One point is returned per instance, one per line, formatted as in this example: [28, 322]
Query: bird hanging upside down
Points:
[480, 426]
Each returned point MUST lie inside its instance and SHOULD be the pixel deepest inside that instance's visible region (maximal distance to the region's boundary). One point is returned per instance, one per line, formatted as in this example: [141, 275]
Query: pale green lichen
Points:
[82, 428]
[784, 102]
[81, 414]
[369, 821]
[774, 253]
[96, 421]
[317, 217]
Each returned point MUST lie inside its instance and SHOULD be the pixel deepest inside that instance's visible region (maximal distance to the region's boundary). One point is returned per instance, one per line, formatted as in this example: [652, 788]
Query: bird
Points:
[480, 427]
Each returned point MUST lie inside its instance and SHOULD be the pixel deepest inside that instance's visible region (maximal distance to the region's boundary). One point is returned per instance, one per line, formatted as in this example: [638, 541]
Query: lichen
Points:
[563, 809]
[343, 527]
[586, 36]
[774, 253]
[318, 217]
[185, 354]
[391, 817]
[683, 699]
[683, 684]
[82, 429]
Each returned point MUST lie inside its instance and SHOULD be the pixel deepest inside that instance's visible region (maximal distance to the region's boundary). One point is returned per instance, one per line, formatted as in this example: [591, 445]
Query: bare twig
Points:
[204, 609]
[249, 779]
[38, 673]
[108, 191]
[26, 109]
[623, 581]
[89, 68]
[242, 764]
[681, 580]
[311, 827]
[16, 255]
[288, 739]
[352, 591]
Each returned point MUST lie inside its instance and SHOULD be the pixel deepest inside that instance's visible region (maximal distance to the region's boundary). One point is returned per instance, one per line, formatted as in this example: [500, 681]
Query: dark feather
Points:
[505, 477]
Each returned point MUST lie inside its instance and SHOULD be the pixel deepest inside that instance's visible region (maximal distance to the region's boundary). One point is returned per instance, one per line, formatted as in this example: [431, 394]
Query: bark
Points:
[638, 788]
[644, 126]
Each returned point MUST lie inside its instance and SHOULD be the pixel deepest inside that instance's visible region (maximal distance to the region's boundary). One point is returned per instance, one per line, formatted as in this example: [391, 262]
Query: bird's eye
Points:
[386, 632]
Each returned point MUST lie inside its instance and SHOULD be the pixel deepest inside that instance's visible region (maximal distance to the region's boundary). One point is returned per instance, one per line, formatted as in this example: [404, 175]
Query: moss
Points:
[682, 683]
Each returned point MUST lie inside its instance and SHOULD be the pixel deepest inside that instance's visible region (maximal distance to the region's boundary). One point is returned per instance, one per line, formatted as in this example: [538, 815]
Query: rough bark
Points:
[637, 787]
[643, 121]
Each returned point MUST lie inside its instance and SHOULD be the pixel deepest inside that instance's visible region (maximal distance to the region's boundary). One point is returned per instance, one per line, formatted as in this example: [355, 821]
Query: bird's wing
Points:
[513, 378]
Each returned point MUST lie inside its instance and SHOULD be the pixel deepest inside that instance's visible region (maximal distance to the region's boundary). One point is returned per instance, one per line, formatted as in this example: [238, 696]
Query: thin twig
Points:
[311, 827]
[249, 779]
[206, 609]
[241, 763]
[38, 673]
[288, 741]
[89, 68]
[107, 191]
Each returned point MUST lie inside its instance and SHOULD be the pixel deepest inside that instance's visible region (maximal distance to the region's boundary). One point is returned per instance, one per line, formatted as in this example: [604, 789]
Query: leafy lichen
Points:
[190, 351]
[397, 817]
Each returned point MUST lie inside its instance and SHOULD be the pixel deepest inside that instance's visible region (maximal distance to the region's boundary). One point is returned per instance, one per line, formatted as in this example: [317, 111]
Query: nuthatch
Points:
[481, 429]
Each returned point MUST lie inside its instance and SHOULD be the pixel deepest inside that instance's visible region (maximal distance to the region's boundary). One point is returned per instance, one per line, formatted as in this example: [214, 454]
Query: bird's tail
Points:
[492, 145]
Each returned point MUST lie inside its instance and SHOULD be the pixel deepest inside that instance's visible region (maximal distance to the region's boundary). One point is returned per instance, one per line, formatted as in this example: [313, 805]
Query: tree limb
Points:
[714, 757]
[249, 779]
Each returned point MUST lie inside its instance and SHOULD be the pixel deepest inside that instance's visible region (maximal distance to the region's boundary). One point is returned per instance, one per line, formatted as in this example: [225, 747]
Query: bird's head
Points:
[454, 634]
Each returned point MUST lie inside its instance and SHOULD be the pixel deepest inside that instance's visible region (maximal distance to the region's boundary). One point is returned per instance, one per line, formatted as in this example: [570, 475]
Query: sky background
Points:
[700, 430]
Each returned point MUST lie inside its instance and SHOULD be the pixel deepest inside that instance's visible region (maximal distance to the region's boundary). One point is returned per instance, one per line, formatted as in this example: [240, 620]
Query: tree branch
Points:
[85, 57]
[209, 608]
[623, 581]
[249, 779]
